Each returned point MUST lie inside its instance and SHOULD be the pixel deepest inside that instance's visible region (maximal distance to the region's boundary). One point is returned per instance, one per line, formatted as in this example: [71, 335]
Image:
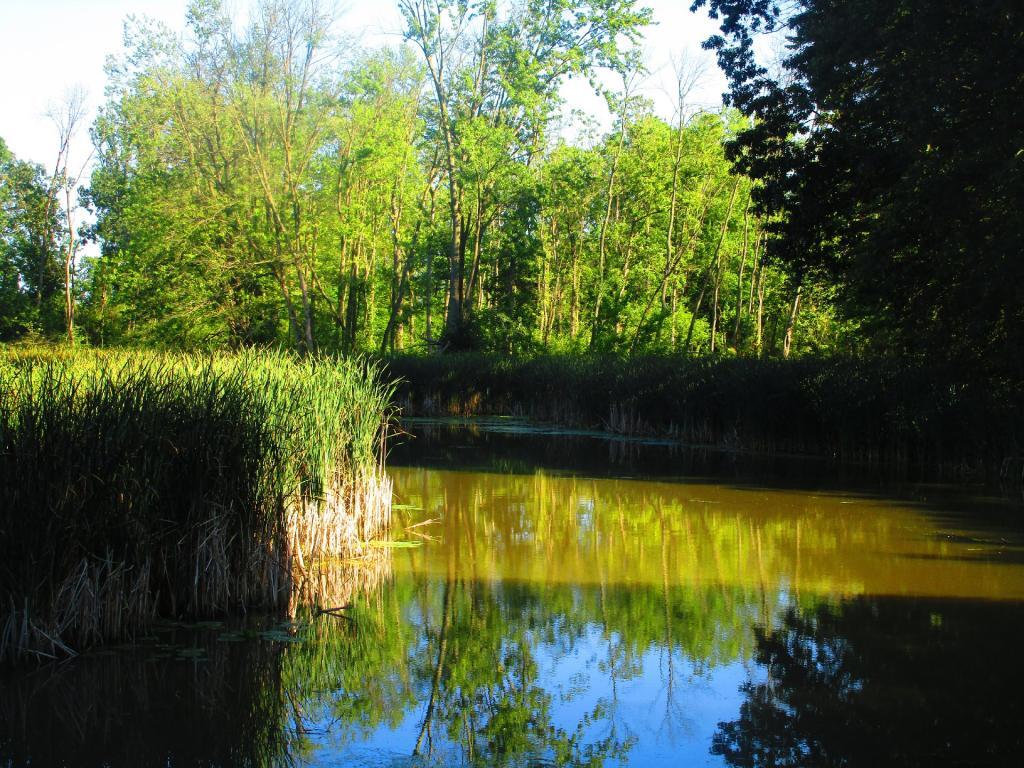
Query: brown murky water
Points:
[552, 600]
[545, 529]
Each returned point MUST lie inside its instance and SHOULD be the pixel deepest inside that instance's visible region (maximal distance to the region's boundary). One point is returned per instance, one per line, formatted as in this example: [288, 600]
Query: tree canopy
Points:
[267, 183]
[889, 143]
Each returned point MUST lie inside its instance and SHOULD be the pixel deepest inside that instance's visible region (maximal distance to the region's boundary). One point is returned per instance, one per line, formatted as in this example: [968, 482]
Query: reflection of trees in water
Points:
[884, 682]
[487, 703]
[460, 654]
[673, 717]
[466, 660]
[473, 675]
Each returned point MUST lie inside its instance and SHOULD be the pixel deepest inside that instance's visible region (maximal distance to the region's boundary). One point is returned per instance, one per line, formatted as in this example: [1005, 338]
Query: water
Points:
[571, 601]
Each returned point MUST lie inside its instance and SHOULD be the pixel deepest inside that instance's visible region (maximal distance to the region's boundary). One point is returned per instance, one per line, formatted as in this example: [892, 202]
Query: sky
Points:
[49, 47]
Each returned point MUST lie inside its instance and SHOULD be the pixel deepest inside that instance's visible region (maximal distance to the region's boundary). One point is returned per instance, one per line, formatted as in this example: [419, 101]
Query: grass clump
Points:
[137, 485]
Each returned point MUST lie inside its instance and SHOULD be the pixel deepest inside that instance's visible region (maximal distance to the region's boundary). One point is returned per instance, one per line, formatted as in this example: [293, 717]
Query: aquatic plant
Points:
[138, 485]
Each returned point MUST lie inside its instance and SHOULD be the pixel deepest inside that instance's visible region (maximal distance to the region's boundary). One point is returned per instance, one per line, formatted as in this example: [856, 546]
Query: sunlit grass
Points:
[137, 485]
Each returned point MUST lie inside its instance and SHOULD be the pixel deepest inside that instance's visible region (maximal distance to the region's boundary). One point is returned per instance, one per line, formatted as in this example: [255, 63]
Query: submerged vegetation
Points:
[140, 485]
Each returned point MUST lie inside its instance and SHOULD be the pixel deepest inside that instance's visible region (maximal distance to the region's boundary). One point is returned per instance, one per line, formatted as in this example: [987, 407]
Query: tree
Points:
[29, 262]
[495, 74]
[891, 144]
[67, 118]
[248, 184]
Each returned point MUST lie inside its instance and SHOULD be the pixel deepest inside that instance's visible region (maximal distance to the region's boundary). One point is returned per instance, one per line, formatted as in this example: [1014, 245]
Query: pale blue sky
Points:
[50, 46]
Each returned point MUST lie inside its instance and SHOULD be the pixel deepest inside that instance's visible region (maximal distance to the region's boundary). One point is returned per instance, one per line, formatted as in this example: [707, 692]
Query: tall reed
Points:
[136, 485]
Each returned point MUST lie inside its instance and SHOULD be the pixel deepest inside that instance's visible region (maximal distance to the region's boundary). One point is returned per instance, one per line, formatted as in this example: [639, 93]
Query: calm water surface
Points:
[572, 601]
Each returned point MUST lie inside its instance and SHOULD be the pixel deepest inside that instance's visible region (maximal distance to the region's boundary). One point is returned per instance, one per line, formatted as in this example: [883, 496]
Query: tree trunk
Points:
[603, 237]
[707, 272]
[787, 343]
[714, 309]
[739, 278]
[759, 344]
[574, 306]
[399, 291]
[69, 257]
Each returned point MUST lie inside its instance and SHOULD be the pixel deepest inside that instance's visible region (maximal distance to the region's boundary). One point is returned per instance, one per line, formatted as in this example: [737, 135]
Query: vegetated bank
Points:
[882, 411]
[138, 485]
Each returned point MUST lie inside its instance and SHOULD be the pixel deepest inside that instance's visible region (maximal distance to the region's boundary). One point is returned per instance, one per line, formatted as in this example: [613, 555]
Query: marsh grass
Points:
[137, 485]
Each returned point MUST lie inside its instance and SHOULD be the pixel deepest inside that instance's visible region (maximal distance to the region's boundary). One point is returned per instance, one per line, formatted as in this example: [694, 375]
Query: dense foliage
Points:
[261, 185]
[890, 143]
[29, 241]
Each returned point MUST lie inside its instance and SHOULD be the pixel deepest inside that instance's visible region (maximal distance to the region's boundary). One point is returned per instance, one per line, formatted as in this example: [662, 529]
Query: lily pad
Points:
[208, 625]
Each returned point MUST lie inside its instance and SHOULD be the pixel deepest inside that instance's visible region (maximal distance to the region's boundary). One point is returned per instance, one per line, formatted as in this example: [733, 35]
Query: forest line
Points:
[255, 187]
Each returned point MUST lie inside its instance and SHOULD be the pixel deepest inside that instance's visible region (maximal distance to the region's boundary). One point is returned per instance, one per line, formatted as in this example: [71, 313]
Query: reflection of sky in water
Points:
[726, 559]
[665, 707]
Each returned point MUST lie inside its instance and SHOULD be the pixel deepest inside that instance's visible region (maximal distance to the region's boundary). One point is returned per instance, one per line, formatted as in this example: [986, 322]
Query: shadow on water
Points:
[883, 682]
[210, 694]
[186, 700]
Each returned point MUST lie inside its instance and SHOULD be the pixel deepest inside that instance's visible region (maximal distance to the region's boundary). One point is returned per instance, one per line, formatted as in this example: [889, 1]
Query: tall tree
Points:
[67, 118]
[495, 73]
[30, 270]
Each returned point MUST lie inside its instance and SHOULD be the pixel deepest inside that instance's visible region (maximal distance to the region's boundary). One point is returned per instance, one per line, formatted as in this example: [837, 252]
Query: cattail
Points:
[137, 485]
